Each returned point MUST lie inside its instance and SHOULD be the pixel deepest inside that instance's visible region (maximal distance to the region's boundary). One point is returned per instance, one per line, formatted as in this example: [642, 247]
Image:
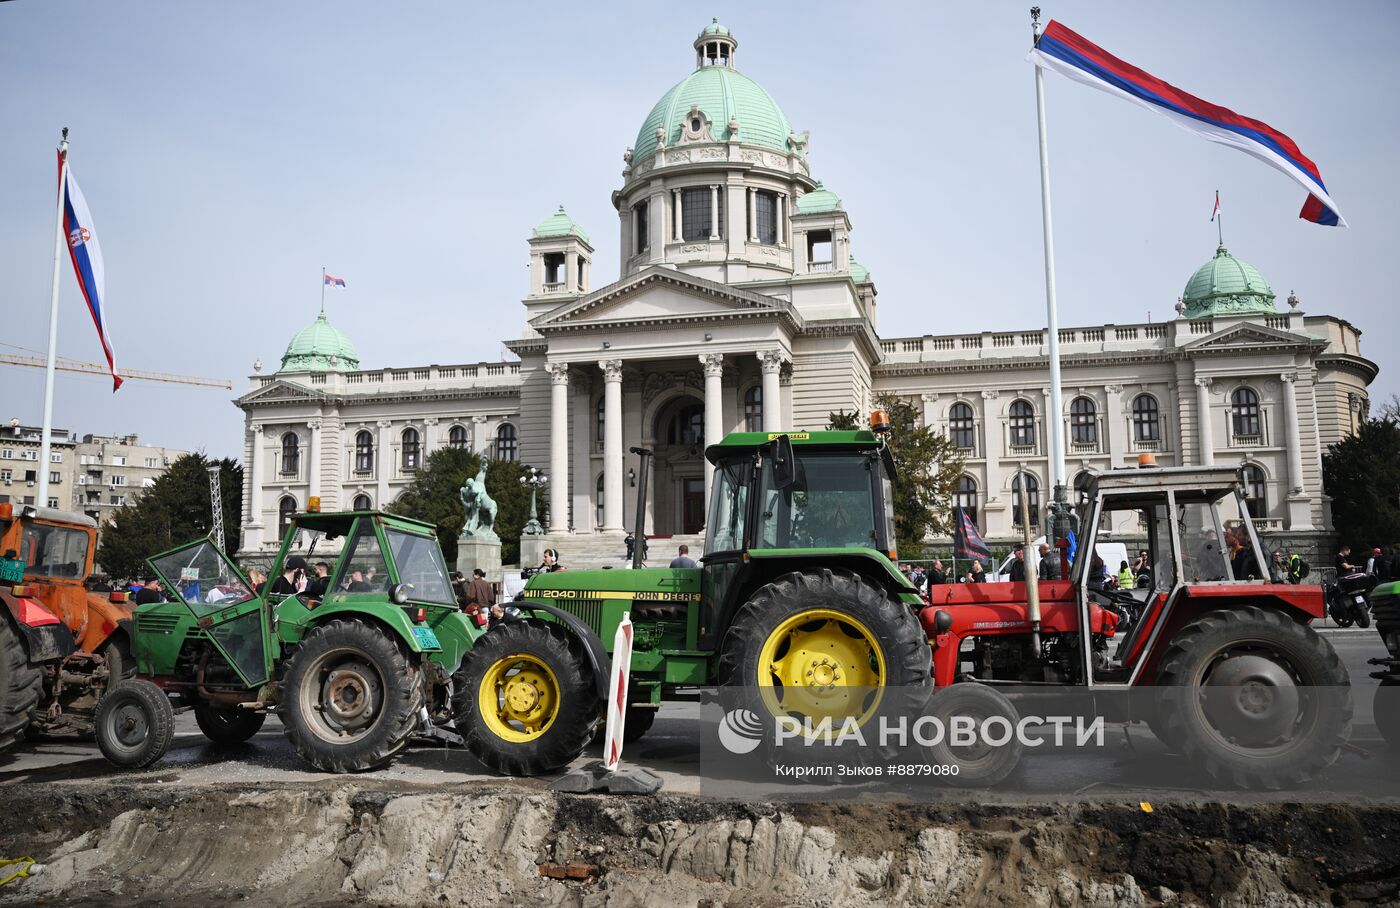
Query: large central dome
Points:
[722, 93]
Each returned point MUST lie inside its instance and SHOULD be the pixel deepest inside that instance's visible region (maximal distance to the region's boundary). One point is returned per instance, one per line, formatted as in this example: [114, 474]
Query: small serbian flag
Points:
[86, 254]
[334, 281]
[1072, 55]
[1215, 212]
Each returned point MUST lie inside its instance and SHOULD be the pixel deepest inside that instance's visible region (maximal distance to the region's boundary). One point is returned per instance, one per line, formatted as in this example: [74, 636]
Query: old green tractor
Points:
[351, 672]
[799, 607]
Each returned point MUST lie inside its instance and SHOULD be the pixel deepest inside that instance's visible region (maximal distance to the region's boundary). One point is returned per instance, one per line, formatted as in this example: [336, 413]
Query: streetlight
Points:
[534, 478]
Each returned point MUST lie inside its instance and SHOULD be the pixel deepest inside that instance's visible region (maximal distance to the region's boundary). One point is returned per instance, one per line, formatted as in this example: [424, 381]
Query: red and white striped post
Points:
[617, 691]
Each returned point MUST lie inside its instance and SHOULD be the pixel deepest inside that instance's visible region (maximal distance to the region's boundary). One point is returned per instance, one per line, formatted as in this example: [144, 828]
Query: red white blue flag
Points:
[333, 281]
[86, 253]
[1215, 212]
[1072, 55]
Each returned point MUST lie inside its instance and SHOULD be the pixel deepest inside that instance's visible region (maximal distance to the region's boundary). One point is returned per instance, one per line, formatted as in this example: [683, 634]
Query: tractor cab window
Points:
[1205, 553]
[728, 505]
[831, 504]
[202, 577]
[1143, 563]
[419, 562]
[50, 551]
[362, 568]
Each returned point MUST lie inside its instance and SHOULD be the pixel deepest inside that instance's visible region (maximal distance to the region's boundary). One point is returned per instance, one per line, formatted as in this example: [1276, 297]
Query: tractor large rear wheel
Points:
[826, 644]
[21, 685]
[523, 698]
[1260, 701]
[350, 698]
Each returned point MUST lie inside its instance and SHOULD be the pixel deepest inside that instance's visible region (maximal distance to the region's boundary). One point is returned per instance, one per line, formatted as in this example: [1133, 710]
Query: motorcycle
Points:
[1346, 599]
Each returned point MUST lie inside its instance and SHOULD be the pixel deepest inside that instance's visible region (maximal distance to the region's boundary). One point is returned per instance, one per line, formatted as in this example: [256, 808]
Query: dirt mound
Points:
[499, 845]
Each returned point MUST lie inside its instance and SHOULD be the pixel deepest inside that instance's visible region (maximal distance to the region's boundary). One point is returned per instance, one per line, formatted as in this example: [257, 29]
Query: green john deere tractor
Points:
[352, 672]
[799, 609]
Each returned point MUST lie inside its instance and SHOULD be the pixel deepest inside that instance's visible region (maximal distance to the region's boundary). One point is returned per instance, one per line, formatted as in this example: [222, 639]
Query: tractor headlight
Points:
[398, 593]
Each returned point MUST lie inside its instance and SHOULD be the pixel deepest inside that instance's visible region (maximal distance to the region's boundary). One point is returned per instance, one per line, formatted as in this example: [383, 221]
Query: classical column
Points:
[772, 364]
[258, 466]
[784, 236]
[558, 447]
[678, 228]
[1299, 508]
[714, 405]
[714, 211]
[383, 465]
[612, 443]
[313, 466]
[991, 448]
[1205, 431]
[1115, 425]
[930, 409]
[753, 214]
[570, 272]
[429, 434]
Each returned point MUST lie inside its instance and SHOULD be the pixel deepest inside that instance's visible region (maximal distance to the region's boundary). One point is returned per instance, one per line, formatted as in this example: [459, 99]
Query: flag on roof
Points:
[333, 281]
[1072, 55]
[86, 255]
[967, 542]
[1215, 212]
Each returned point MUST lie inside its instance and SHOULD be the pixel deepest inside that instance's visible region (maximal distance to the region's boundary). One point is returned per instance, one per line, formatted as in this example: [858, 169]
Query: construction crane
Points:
[64, 364]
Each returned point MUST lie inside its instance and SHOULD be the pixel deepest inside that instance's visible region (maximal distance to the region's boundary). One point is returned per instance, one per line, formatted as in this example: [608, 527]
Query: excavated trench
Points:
[357, 842]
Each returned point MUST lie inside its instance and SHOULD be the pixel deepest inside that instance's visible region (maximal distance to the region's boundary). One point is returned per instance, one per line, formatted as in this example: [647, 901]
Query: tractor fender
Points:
[393, 618]
[105, 618]
[46, 638]
[598, 659]
[767, 565]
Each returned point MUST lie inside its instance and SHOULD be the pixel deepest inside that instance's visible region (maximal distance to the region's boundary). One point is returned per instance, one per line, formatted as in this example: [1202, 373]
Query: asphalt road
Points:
[1133, 761]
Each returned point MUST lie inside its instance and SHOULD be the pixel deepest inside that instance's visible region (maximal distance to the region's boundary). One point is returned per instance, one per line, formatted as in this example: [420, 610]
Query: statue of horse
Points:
[480, 507]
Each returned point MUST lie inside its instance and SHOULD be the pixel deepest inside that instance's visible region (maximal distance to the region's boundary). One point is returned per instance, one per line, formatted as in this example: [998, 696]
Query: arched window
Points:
[285, 509]
[1255, 490]
[507, 445]
[1022, 424]
[364, 452]
[1083, 422]
[1146, 420]
[1244, 412]
[965, 496]
[598, 518]
[753, 409]
[960, 427]
[687, 427]
[412, 451]
[457, 437]
[1032, 501]
[291, 453]
[362, 503]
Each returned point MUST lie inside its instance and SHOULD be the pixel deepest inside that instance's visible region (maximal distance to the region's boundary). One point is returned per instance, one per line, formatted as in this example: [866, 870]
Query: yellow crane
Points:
[64, 364]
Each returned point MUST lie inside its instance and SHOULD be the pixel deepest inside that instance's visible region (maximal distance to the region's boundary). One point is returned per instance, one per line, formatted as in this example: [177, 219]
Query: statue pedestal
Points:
[531, 551]
[474, 552]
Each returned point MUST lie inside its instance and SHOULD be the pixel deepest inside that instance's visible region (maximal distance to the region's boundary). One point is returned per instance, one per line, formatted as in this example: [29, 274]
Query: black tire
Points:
[21, 685]
[1280, 708]
[497, 664]
[228, 724]
[1362, 613]
[135, 724]
[638, 722]
[1386, 708]
[894, 633]
[350, 697]
[979, 765]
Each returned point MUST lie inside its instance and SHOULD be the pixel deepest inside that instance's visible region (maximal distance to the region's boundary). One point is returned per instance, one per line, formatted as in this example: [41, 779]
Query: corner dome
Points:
[1226, 285]
[723, 94]
[320, 347]
[859, 273]
[560, 224]
[818, 201]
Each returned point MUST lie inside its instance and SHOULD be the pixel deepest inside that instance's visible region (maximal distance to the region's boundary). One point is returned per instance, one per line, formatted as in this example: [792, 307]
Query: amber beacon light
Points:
[879, 421]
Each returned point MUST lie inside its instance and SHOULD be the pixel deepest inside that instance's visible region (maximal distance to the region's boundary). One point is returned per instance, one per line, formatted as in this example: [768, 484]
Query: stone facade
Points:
[19, 465]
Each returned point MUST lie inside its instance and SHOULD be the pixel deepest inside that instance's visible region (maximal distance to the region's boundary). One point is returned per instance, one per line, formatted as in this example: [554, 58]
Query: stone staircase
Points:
[591, 550]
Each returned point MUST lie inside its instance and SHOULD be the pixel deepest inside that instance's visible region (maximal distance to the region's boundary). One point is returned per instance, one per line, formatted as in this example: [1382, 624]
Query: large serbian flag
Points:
[1072, 55]
[86, 253]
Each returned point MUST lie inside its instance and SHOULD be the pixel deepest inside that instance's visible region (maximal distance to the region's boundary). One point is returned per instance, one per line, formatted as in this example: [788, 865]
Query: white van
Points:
[1112, 553]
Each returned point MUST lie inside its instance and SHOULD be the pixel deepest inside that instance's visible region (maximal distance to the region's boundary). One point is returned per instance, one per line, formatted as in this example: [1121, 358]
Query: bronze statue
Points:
[480, 507]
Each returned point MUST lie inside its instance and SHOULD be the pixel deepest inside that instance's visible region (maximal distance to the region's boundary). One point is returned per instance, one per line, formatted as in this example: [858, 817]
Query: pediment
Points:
[658, 296]
[1243, 336]
[278, 391]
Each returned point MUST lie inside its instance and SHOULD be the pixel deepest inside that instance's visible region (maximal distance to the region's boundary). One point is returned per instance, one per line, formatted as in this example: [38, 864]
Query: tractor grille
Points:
[156, 624]
[590, 612]
[1385, 608]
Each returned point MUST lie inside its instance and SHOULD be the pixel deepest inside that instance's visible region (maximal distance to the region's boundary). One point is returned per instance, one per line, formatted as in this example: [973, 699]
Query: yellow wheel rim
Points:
[518, 698]
[822, 664]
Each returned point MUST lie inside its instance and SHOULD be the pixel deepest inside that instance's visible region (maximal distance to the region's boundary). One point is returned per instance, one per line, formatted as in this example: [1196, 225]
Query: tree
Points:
[1362, 474]
[433, 497]
[174, 510]
[928, 469]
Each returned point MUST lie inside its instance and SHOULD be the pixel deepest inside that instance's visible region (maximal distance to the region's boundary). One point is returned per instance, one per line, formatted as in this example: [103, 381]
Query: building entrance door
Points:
[692, 505]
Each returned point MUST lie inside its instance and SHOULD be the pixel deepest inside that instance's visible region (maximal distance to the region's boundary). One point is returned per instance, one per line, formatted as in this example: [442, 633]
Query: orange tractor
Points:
[60, 645]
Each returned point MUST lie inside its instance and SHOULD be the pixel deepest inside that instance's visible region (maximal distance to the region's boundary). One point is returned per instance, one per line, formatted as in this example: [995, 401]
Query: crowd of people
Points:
[1381, 562]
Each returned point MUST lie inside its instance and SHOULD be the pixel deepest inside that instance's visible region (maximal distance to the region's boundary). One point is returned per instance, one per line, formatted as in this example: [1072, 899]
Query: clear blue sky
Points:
[229, 151]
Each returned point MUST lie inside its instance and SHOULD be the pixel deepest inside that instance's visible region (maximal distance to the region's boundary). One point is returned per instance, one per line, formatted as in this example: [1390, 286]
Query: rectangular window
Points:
[6, 475]
[30, 455]
[53, 503]
[55, 477]
[7, 454]
[766, 211]
[695, 214]
[119, 460]
[118, 481]
[151, 462]
[641, 218]
[55, 457]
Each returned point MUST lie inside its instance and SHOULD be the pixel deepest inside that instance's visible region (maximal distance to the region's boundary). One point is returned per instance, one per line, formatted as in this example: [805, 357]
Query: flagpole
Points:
[323, 289]
[42, 499]
[1219, 221]
[1059, 510]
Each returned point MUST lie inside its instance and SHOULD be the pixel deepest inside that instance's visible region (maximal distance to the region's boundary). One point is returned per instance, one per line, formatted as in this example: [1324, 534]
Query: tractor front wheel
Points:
[350, 697]
[135, 724]
[21, 685]
[524, 700]
[980, 764]
[1257, 701]
[227, 724]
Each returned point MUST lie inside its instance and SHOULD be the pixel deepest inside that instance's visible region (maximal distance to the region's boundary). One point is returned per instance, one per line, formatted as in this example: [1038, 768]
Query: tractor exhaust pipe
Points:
[1032, 582]
[639, 531]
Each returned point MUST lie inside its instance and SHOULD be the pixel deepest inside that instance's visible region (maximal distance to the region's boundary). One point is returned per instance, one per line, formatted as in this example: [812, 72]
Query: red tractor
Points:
[1219, 660]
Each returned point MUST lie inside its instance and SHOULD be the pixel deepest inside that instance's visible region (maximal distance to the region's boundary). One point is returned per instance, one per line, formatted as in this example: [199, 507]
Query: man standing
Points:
[936, 575]
[683, 559]
[479, 592]
[316, 589]
[293, 580]
[1049, 563]
[150, 592]
[1018, 567]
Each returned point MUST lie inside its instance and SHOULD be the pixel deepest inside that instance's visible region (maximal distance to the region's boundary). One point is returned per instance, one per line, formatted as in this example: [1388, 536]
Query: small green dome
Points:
[859, 273]
[320, 347]
[560, 224]
[722, 94]
[1226, 285]
[818, 201]
[714, 28]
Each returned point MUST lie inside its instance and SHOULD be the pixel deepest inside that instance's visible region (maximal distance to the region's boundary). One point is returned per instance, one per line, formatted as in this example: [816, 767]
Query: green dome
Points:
[714, 28]
[722, 93]
[560, 224]
[1226, 285]
[818, 201]
[859, 273]
[320, 347]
